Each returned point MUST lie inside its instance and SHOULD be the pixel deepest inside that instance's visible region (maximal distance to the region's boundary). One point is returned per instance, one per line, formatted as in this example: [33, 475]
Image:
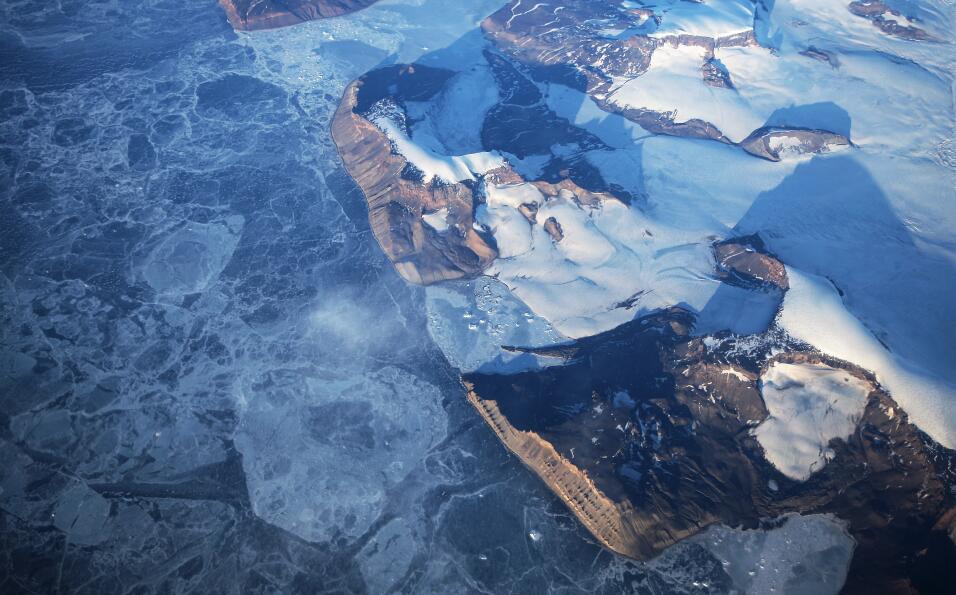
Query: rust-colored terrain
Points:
[396, 198]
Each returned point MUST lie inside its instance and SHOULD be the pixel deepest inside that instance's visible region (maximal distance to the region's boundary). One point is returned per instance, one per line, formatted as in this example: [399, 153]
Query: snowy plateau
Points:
[500, 296]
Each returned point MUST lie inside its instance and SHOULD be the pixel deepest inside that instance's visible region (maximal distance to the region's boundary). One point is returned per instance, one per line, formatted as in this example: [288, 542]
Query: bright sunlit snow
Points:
[612, 264]
[809, 405]
[419, 152]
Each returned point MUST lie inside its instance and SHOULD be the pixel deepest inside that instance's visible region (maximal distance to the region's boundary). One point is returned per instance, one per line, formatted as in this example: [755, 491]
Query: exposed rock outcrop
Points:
[425, 225]
[647, 435]
[248, 15]
[776, 144]
[744, 261]
[569, 47]
[397, 199]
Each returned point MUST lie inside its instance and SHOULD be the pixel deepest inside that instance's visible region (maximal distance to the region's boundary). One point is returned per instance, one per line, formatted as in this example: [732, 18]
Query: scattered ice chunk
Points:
[320, 456]
[82, 514]
[468, 345]
[190, 258]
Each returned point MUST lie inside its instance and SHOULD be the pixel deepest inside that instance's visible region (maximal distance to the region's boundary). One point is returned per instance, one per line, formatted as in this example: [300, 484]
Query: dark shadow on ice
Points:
[762, 15]
[831, 218]
[525, 362]
[743, 311]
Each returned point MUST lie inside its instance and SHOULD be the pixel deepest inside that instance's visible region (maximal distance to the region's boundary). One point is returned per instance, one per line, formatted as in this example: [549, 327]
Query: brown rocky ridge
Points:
[401, 202]
[745, 261]
[569, 47]
[394, 190]
[248, 15]
[646, 433]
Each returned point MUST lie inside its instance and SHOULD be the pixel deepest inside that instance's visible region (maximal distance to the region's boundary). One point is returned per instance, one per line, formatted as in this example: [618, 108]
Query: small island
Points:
[250, 15]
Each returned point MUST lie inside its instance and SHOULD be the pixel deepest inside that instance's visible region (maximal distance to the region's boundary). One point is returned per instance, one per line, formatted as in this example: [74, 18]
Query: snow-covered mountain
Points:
[769, 173]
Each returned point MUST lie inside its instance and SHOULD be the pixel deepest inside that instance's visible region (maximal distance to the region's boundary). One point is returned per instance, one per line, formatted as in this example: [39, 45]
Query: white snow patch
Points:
[456, 116]
[735, 373]
[793, 90]
[424, 152]
[885, 103]
[673, 84]
[437, 220]
[809, 405]
[608, 255]
[824, 24]
[611, 252]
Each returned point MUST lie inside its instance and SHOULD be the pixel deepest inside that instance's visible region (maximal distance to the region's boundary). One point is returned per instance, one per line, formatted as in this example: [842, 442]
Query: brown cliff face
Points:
[248, 15]
[396, 200]
[768, 142]
[646, 434]
[398, 196]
